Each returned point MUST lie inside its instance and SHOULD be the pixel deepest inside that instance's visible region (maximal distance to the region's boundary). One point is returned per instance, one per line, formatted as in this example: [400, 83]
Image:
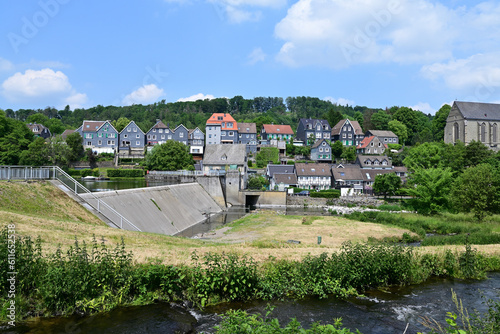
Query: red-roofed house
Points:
[221, 129]
[371, 145]
[276, 132]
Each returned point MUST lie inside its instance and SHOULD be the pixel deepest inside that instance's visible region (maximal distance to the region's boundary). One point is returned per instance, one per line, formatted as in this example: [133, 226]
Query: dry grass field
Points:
[40, 209]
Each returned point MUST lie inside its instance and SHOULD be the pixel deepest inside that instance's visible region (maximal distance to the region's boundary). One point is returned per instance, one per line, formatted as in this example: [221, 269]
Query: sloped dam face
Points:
[166, 209]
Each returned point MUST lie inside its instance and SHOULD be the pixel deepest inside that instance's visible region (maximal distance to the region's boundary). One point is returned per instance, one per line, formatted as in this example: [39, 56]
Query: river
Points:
[380, 312]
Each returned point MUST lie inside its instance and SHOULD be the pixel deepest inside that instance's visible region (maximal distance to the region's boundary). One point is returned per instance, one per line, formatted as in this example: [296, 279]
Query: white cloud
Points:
[256, 55]
[478, 72]
[6, 65]
[42, 87]
[338, 34]
[424, 107]
[77, 100]
[340, 101]
[143, 95]
[239, 11]
[196, 97]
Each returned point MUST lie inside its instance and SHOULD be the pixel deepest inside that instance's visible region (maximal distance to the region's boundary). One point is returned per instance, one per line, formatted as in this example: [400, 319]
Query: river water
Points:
[380, 312]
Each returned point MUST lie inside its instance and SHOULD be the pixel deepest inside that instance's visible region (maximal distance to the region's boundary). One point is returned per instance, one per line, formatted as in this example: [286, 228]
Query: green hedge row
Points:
[83, 172]
[331, 193]
[125, 172]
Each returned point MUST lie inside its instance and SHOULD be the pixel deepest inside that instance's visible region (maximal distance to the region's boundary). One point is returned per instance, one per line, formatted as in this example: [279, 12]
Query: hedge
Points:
[83, 172]
[125, 172]
[331, 193]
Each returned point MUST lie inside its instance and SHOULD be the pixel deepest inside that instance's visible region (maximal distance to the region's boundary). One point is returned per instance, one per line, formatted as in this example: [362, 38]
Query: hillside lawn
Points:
[40, 209]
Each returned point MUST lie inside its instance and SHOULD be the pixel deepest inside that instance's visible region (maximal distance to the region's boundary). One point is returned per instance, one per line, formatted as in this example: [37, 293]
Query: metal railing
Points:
[54, 172]
[215, 172]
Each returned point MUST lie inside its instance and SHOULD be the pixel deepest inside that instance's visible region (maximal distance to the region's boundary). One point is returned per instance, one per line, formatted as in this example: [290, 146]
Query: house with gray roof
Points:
[371, 145]
[321, 151]
[385, 136]
[311, 130]
[348, 176]
[347, 131]
[313, 175]
[222, 157]
[159, 134]
[369, 176]
[132, 140]
[373, 161]
[282, 181]
[247, 134]
[279, 169]
[100, 136]
[196, 140]
[39, 130]
[468, 121]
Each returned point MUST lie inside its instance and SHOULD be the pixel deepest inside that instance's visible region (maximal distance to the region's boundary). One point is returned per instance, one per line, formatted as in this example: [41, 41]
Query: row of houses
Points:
[358, 178]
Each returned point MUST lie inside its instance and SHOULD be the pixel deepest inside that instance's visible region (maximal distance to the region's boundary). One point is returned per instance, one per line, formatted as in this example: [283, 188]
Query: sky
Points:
[375, 53]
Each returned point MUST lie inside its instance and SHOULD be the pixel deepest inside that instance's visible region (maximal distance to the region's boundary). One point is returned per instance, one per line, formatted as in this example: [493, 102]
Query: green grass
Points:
[447, 228]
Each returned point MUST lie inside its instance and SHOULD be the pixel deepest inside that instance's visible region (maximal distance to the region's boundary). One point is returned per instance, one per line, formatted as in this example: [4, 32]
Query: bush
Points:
[125, 172]
[330, 193]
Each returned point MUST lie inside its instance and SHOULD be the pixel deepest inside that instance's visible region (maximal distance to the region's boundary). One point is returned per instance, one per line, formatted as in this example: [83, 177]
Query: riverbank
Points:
[261, 250]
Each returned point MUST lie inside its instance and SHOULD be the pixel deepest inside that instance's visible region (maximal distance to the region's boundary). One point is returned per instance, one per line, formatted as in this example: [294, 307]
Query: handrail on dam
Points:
[54, 172]
[215, 172]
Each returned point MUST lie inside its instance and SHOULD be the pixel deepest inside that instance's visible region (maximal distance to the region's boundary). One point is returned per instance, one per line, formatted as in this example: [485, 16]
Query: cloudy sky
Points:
[376, 53]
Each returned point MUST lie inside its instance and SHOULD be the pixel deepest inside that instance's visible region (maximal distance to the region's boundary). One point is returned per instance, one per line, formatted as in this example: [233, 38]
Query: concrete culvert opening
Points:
[251, 200]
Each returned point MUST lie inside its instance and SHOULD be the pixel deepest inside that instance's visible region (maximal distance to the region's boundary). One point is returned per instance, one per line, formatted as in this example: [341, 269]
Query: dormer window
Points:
[224, 157]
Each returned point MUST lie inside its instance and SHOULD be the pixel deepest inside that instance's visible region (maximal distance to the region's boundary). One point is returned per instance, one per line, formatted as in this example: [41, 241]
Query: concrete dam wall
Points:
[165, 209]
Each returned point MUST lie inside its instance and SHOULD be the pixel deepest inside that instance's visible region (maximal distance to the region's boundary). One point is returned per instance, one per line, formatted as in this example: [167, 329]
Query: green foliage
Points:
[349, 154]
[266, 155]
[292, 150]
[125, 172]
[387, 184]
[439, 122]
[430, 189]
[75, 143]
[329, 193]
[120, 123]
[477, 190]
[15, 137]
[227, 277]
[334, 116]
[337, 149]
[426, 155]
[380, 120]
[169, 156]
[399, 130]
[476, 153]
[256, 182]
[240, 322]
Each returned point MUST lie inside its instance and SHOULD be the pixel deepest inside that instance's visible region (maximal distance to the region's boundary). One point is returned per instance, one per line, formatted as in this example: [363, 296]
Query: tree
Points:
[387, 184]
[337, 149]
[426, 155]
[15, 137]
[349, 153]
[430, 188]
[476, 153]
[171, 155]
[477, 190]
[359, 117]
[399, 130]
[58, 152]
[120, 124]
[266, 155]
[256, 182]
[439, 122]
[380, 120]
[75, 143]
[334, 116]
[36, 154]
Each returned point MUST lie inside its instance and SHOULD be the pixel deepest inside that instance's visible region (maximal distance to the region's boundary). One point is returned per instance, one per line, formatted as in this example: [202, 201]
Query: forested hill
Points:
[261, 110]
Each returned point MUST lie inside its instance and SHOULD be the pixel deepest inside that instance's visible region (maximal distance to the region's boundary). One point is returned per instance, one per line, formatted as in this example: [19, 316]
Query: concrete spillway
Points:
[166, 209]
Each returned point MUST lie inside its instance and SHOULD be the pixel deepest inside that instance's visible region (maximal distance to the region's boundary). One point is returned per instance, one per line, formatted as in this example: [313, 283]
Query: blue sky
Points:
[374, 53]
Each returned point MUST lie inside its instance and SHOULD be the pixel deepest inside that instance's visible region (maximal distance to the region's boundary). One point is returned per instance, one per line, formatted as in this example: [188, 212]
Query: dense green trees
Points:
[477, 190]
[256, 182]
[171, 155]
[387, 184]
[430, 188]
[15, 137]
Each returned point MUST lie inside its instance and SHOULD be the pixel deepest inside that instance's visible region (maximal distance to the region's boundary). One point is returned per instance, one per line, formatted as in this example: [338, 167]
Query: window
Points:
[162, 137]
[137, 136]
[181, 135]
[128, 129]
[135, 130]
[321, 149]
[248, 136]
[231, 133]
[111, 142]
[379, 144]
[124, 136]
[154, 130]
[89, 143]
[223, 133]
[344, 135]
[99, 142]
[138, 143]
[230, 124]
[170, 137]
[494, 133]
[483, 132]
[455, 133]
[350, 135]
[160, 130]
[209, 135]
